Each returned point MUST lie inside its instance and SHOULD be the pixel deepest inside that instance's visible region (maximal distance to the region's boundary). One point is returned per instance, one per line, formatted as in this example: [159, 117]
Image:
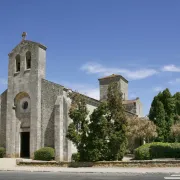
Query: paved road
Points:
[81, 176]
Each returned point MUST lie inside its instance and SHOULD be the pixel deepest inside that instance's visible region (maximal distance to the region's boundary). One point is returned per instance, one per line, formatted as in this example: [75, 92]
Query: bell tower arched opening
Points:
[18, 63]
[28, 60]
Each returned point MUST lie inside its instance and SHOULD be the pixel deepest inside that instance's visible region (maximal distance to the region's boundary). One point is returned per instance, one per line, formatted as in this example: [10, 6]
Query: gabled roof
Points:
[24, 42]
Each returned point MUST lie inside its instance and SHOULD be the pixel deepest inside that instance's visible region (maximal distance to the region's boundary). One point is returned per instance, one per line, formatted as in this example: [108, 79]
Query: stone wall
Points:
[124, 89]
[49, 93]
[135, 107]
[130, 107]
[3, 110]
[139, 108]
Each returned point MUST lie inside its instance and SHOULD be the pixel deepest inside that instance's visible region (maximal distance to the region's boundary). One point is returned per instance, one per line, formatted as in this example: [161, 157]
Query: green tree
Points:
[78, 129]
[177, 108]
[105, 137]
[118, 123]
[158, 111]
[169, 107]
[160, 122]
[153, 109]
[97, 145]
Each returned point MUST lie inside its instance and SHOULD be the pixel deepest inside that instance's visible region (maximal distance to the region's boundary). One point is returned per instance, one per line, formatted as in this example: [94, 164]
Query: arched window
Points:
[18, 63]
[28, 60]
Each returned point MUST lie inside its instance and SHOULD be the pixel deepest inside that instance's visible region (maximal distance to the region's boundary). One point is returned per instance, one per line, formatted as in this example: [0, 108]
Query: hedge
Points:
[75, 157]
[158, 150]
[44, 154]
[2, 152]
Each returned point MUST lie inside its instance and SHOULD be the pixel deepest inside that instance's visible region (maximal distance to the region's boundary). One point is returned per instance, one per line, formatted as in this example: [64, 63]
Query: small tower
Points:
[105, 81]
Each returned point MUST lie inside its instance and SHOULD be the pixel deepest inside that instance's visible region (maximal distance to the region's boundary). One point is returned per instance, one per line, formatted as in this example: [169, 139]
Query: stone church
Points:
[34, 111]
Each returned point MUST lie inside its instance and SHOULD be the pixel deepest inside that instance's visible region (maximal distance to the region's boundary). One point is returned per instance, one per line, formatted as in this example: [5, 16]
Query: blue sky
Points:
[88, 39]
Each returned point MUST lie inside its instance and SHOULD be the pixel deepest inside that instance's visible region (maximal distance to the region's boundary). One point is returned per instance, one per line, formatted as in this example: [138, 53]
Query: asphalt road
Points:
[81, 176]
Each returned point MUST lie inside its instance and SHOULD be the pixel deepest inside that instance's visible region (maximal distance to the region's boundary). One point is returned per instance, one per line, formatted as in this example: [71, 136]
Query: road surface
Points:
[83, 176]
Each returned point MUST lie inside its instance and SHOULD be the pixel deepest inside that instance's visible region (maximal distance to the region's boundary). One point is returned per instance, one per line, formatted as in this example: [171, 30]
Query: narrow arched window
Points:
[28, 60]
[18, 63]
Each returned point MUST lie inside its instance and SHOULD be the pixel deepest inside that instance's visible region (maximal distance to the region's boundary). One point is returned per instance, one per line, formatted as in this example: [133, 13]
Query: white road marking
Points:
[173, 176]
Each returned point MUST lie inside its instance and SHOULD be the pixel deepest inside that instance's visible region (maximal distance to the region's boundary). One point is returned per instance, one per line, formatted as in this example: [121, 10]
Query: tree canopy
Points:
[164, 112]
[104, 135]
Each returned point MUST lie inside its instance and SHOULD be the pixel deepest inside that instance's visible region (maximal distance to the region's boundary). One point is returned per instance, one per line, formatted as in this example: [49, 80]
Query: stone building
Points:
[34, 111]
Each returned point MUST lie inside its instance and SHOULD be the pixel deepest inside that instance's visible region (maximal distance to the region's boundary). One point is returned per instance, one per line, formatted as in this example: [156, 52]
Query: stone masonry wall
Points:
[3, 110]
[49, 93]
[104, 84]
[124, 89]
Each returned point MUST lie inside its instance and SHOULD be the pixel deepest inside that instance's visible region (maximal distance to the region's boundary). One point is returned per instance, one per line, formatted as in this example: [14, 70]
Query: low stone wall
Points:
[147, 163]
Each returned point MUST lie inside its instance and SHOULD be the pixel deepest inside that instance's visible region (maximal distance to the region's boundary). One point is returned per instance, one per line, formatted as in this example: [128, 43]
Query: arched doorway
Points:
[22, 104]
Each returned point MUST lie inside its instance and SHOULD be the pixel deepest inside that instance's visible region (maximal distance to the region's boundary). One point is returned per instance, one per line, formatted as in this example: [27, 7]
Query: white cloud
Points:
[171, 68]
[93, 93]
[94, 68]
[175, 81]
[157, 89]
[85, 89]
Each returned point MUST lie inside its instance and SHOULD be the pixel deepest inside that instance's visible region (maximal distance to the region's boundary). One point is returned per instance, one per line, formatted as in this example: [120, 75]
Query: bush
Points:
[142, 153]
[76, 157]
[2, 152]
[158, 150]
[44, 154]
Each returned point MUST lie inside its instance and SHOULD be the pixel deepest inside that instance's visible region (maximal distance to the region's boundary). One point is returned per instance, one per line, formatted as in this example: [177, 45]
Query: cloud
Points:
[171, 68]
[3, 81]
[157, 89]
[94, 68]
[175, 81]
[93, 93]
[85, 89]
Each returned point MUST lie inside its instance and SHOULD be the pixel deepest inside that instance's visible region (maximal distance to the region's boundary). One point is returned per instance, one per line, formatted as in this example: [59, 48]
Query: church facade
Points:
[34, 111]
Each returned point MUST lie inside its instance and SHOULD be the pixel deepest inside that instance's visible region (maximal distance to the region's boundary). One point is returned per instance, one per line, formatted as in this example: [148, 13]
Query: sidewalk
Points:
[94, 170]
[7, 164]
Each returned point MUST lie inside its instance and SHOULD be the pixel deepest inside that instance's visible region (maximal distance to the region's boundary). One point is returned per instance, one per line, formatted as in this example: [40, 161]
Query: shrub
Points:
[2, 152]
[142, 153]
[76, 157]
[158, 150]
[161, 150]
[44, 154]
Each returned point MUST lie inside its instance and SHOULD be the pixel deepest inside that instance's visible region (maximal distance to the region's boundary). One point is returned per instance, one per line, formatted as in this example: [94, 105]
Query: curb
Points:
[90, 172]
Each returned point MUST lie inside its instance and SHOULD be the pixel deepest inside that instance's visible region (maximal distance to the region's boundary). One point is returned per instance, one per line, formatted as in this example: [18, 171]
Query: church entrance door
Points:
[25, 144]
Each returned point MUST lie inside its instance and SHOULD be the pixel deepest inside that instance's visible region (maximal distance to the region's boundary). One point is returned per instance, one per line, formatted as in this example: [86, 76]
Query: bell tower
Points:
[105, 81]
[27, 62]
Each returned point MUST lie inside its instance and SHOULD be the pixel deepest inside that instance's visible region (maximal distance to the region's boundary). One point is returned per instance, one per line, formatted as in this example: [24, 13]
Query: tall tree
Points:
[118, 123]
[163, 106]
[160, 122]
[97, 144]
[78, 129]
[177, 107]
[153, 109]
[169, 107]
[105, 136]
